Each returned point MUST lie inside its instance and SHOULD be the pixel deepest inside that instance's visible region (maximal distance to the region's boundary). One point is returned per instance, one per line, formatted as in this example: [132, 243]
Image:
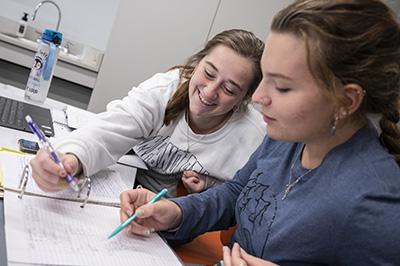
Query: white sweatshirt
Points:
[137, 121]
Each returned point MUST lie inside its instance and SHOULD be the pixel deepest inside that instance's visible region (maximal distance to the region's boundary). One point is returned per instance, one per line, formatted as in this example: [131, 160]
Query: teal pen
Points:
[133, 217]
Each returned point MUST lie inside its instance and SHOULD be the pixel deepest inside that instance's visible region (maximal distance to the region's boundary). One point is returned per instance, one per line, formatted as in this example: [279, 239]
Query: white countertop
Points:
[92, 65]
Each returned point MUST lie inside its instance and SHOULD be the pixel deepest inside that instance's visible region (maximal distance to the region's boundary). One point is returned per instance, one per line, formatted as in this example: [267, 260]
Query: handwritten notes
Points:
[49, 231]
[106, 185]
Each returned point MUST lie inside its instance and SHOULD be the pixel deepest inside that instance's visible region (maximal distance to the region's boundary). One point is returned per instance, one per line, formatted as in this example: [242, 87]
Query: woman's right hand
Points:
[158, 216]
[48, 175]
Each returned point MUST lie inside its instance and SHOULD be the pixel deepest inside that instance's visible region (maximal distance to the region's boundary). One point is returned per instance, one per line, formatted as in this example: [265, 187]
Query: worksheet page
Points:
[56, 232]
[106, 185]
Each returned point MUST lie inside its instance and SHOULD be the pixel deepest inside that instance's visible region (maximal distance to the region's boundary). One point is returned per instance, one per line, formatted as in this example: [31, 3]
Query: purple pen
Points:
[46, 144]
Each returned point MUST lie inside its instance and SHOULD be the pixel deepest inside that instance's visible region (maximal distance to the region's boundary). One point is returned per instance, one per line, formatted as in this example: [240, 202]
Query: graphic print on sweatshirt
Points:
[164, 157]
[260, 208]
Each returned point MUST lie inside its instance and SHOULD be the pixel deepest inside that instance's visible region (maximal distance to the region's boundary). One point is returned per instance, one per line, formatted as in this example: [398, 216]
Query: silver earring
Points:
[333, 130]
[235, 108]
[261, 101]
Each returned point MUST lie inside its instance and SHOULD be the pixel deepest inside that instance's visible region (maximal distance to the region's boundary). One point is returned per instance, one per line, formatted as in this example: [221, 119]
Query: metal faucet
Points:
[51, 2]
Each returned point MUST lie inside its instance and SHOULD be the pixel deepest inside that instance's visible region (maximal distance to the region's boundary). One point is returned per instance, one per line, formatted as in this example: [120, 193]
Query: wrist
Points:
[176, 224]
[79, 167]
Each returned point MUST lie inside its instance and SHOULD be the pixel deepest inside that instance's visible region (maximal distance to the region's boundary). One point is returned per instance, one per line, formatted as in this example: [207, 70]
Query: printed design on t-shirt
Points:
[164, 157]
[255, 196]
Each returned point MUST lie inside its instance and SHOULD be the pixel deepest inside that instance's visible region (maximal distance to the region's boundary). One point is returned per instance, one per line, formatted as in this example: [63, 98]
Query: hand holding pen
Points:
[133, 217]
[159, 216]
[47, 145]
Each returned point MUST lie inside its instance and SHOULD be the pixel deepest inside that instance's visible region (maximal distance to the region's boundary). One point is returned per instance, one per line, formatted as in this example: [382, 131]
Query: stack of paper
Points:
[49, 231]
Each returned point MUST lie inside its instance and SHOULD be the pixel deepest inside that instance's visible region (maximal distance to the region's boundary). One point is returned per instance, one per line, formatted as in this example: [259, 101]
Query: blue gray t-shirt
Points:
[344, 212]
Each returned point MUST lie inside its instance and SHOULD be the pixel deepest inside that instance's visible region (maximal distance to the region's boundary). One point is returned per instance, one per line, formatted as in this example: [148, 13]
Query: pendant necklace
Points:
[203, 137]
[289, 186]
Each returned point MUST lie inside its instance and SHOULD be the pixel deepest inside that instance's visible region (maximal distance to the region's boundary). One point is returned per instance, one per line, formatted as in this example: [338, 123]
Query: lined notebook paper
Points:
[49, 231]
[107, 184]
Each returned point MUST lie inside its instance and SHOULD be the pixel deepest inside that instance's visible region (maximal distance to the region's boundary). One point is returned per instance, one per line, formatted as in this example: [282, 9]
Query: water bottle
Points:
[42, 69]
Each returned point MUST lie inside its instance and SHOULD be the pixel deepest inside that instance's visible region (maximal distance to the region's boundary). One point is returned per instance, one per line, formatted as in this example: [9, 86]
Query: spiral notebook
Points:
[57, 231]
[106, 185]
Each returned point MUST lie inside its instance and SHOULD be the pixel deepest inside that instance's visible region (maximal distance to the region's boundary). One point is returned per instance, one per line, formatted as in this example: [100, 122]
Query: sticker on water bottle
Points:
[37, 67]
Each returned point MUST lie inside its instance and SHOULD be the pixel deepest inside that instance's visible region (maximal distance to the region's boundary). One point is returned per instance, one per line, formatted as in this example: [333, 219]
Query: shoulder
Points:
[148, 99]
[169, 79]
[364, 161]
[155, 91]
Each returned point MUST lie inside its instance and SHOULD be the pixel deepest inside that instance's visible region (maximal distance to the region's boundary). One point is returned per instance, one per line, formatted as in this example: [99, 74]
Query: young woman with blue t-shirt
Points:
[324, 186]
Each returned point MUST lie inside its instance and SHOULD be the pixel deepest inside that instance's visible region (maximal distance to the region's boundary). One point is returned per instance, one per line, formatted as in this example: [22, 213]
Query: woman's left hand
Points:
[239, 257]
[193, 182]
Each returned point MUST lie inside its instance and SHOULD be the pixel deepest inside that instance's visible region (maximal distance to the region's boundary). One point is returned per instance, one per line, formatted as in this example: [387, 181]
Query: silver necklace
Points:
[289, 186]
[205, 135]
[194, 143]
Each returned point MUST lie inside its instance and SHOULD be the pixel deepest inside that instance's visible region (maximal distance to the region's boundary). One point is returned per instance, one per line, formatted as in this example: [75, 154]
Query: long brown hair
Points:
[243, 42]
[356, 41]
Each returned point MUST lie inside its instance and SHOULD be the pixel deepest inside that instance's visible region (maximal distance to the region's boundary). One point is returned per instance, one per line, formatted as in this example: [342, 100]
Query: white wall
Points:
[151, 36]
[84, 21]
[253, 15]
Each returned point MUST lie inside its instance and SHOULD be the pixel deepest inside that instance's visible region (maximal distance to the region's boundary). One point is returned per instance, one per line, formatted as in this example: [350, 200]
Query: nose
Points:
[211, 90]
[260, 96]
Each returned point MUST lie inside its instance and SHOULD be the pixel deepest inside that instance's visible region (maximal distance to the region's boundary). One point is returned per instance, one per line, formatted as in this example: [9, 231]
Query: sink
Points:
[77, 53]
[69, 55]
[71, 51]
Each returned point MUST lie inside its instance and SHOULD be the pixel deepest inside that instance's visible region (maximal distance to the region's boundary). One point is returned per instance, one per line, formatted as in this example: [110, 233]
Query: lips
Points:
[268, 119]
[204, 101]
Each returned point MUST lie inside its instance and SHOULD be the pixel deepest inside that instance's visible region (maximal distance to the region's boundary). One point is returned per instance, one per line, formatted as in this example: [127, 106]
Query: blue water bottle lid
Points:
[52, 36]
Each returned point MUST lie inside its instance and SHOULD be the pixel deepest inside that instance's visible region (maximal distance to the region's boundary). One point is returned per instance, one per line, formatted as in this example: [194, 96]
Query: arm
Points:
[103, 140]
[213, 209]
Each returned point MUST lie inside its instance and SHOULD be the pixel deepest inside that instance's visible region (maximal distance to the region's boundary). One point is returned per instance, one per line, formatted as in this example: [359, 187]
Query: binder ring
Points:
[24, 180]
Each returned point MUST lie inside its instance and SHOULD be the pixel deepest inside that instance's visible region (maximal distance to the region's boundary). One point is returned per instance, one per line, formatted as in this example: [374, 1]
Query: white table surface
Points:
[9, 139]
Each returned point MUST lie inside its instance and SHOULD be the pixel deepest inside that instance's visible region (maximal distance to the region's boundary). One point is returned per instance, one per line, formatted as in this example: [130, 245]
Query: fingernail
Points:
[128, 230]
[129, 213]
[152, 230]
[146, 232]
[139, 213]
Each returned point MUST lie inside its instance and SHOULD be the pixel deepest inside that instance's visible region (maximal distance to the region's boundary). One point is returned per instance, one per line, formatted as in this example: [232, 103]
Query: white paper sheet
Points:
[106, 186]
[49, 231]
[77, 117]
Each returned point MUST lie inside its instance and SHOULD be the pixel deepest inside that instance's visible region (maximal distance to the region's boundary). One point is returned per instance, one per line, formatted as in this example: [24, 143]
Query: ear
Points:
[246, 97]
[353, 96]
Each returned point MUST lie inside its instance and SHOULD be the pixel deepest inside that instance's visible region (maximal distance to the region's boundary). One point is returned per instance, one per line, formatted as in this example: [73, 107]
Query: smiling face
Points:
[292, 104]
[221, 81]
